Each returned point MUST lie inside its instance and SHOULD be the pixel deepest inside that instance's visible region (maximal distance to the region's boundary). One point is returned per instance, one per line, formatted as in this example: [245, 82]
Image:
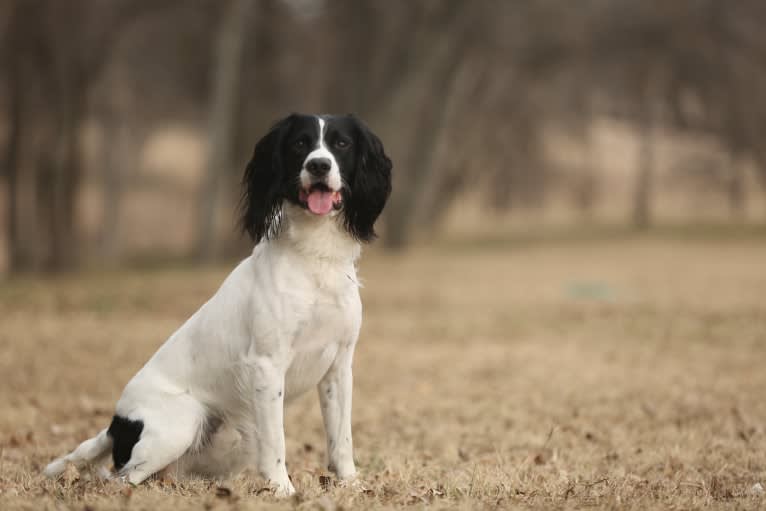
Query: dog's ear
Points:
[262, 184]
[371, 186]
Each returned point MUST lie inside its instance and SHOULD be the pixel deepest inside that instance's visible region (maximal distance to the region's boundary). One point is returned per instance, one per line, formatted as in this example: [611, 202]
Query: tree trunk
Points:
[119, 150]
[736, 188]
[587, 189]
[223, 109]
[65, 176]
[419, 165]
[646, 162]
[20, 253]
[643, 187]
[12, 162]
[402, 209]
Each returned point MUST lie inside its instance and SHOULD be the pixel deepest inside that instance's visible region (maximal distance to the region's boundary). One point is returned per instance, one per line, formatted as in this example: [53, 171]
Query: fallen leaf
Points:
[222, 492]
[435, 492]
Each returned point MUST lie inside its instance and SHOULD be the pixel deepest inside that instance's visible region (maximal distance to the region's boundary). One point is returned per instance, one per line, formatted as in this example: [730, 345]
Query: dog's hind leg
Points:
[90, 451]
[223, 452]
[155, 451]
[165, 437]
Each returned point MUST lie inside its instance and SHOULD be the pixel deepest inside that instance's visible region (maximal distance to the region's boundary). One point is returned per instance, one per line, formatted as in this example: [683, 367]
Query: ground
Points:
[551, 373]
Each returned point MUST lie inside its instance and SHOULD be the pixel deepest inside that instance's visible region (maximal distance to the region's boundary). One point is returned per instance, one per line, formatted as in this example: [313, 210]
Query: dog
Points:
[210, 400]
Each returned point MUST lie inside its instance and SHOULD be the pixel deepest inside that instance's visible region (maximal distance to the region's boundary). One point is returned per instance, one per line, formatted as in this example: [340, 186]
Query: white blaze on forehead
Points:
[321, 133]
[333, 180]
[320, 142]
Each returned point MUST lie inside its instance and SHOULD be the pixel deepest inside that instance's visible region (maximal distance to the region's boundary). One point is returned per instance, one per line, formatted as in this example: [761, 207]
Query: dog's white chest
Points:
[332, 320]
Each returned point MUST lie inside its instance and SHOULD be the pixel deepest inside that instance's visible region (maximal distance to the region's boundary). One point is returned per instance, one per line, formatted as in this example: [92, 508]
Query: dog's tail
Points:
[92, 451]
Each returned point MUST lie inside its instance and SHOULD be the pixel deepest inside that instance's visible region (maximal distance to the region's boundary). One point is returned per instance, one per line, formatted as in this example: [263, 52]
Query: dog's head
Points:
[326, 165]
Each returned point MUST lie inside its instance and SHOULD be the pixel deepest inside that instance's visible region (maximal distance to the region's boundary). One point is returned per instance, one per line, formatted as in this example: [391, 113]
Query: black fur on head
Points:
[328, 165]
[370, 186]
[262, 190]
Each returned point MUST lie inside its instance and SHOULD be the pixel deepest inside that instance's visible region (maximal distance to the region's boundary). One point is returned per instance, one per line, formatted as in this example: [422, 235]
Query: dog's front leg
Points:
[335, 399]
[269, 425]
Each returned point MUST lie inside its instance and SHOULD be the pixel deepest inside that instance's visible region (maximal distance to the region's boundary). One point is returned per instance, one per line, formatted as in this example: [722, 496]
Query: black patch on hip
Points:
[125, 434]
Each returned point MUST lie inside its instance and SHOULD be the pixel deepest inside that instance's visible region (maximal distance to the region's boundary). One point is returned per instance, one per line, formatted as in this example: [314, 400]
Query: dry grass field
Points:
[613, 373]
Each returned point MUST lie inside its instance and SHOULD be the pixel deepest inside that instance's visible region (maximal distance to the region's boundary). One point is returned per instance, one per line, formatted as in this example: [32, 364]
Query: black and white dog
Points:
[210, 401]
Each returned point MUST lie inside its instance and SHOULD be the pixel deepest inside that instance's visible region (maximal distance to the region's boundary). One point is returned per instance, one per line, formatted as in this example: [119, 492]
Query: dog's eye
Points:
[342, 144]
[299, 144]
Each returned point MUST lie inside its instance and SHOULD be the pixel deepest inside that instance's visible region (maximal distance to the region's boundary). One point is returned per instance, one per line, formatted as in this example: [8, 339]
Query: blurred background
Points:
[566, 304]
[125, 125]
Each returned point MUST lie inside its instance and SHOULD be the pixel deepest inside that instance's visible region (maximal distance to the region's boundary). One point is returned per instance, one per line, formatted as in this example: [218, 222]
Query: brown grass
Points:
[605, 374]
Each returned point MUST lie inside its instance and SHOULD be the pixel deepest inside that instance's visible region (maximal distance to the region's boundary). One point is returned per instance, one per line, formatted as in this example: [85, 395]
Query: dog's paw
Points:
[282, 490]
[344, 472]
[278, 487]
[55, 468]
[104, 473]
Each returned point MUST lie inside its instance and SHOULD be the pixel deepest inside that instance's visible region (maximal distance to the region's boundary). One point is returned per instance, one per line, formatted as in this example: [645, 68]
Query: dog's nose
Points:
[318, 166]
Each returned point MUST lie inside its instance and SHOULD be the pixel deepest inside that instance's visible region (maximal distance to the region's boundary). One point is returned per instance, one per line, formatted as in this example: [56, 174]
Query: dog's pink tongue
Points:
[320, 202]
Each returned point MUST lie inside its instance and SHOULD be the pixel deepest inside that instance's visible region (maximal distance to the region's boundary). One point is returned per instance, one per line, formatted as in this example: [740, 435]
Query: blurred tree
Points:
[58, 51]
[448, 26]
[465, 95]
[119, 155]
[224, 105]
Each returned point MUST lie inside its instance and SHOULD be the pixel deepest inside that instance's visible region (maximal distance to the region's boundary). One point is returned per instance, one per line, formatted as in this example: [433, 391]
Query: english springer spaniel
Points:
[210, 400]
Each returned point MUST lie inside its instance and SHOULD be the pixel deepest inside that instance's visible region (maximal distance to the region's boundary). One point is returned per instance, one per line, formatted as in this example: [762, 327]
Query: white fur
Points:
[285, 320]
[334, 181]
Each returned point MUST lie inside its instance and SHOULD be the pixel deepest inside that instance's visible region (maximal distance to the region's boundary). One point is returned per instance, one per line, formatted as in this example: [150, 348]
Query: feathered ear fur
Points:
[262, 192]
[371, 185]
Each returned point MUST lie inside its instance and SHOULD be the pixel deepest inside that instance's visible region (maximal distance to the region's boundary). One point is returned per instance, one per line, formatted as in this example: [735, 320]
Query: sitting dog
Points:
[210, 401]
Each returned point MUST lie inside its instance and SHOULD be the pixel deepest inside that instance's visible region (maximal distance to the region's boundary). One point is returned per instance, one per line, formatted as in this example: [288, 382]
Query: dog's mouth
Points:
[319, 199]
